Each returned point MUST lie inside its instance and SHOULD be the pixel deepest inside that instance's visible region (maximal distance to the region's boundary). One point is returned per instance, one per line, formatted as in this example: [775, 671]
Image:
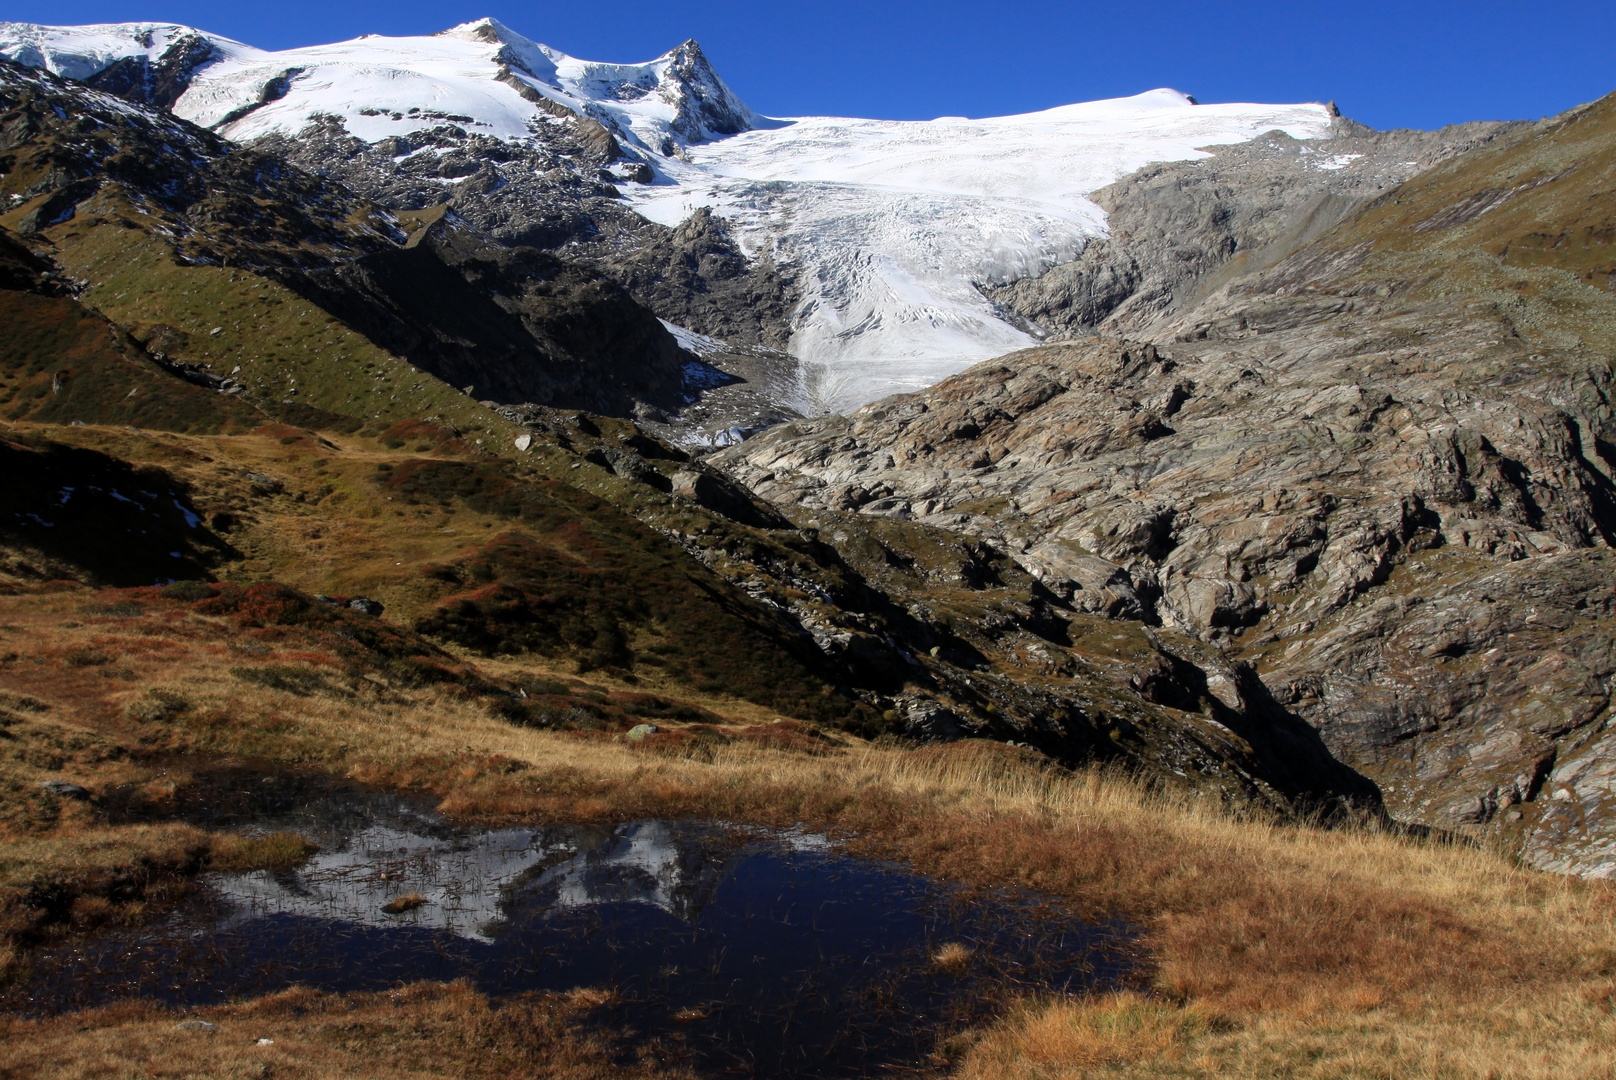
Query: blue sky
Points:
[1411, 64]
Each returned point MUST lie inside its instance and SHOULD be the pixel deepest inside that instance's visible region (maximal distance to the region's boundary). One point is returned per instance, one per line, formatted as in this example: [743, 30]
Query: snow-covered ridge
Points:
[889, 225]
[384, 86]
[80, 52]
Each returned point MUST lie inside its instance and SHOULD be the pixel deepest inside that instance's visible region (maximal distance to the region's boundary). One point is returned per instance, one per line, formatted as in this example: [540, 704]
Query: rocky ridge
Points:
[1178, 230]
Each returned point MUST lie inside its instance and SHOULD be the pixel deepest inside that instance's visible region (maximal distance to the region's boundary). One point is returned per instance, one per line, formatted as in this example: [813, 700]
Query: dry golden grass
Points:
[415, 1033]
[408, 902]
[952, 956]
[1272, 950]
[271, 851]
[1135, 1037]
[1069, 1038]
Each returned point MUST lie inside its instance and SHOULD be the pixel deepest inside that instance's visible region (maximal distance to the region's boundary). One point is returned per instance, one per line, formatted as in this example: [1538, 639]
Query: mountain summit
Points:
[481, 74]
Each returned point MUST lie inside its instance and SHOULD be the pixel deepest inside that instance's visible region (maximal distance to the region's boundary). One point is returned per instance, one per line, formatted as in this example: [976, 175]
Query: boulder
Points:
[65, 790]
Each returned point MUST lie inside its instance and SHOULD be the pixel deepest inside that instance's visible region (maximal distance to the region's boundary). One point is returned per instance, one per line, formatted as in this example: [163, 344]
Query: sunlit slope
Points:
[1528, 224]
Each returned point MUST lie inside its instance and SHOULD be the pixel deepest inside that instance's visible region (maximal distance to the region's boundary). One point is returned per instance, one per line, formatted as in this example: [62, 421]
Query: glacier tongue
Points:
[888, 225]
[892, 224]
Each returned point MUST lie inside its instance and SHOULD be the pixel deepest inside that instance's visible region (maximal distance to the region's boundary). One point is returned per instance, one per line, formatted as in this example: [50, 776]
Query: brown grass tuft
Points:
[272, 851]
[1066, 1037]
[408, 902]
[417, 1032]
[952, 957]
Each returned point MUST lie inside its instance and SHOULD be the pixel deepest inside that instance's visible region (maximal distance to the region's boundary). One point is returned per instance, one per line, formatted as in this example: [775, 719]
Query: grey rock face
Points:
[557, 191]
[1180, 229]
[1436, 604]
[546, 193]
[160, 82]
[703, 105]
[941, 636]
[697, 277]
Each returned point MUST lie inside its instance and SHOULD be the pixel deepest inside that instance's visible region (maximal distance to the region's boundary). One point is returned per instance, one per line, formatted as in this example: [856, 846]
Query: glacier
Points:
[888, 226]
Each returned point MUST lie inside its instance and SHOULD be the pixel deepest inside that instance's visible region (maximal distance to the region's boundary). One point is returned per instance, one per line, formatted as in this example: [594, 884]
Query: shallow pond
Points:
[762, 953]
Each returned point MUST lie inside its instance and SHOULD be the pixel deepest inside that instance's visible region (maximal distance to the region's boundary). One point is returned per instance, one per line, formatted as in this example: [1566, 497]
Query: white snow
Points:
[692, 342]
[78, 52]
[889, 225]
[365, 80]
[1337, 161]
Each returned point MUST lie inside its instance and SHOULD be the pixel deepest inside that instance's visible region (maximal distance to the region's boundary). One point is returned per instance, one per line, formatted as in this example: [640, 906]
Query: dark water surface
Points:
[762, 953]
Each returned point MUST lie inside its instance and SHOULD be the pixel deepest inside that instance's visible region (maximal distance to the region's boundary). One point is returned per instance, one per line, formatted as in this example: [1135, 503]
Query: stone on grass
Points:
[64, 789]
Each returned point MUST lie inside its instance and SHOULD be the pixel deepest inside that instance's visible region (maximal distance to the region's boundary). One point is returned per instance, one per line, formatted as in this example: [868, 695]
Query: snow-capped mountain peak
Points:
[887, 227]
[473, 75]
[700, 105]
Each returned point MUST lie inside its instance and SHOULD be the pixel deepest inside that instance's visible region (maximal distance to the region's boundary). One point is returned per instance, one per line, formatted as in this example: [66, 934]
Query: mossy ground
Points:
[291, 355]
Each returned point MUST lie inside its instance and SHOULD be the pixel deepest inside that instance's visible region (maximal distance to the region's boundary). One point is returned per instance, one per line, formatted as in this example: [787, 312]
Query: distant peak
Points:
[486, 29]
[706, 107]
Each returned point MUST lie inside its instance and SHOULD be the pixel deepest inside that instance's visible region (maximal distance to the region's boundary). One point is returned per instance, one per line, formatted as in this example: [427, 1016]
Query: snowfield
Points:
[893, 223]
[889, 225]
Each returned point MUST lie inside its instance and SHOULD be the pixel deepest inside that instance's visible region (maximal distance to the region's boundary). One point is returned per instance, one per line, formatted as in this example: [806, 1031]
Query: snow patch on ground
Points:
[1338, 161]
[692, 342]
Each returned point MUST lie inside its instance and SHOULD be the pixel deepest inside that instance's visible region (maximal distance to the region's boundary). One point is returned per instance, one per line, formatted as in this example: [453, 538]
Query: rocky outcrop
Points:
[939, 636]
[548, 192]
[1377, 470]
[696, 276]
[1179, 229]
[158, 82]
[703, 106]
[507, 324]
[555, 191]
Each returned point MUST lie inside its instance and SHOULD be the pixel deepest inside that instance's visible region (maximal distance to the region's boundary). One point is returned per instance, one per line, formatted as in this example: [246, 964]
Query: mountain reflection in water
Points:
[472, 883]
[793, 960]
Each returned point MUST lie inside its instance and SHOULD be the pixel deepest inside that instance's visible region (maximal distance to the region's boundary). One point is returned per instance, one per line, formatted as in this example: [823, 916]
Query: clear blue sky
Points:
[1408, 64]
